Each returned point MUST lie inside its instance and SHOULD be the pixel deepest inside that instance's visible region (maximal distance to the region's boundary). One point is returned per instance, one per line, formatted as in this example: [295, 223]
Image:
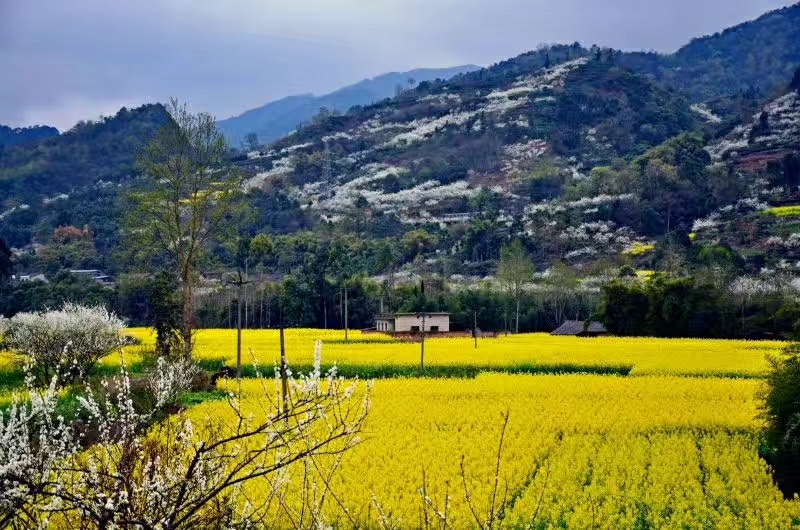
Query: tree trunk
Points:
[188, 317]
[516, 324]
[391, 289]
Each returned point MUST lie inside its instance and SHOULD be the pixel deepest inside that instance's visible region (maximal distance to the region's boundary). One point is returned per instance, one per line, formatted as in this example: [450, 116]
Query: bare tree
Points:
[561, 286]
[514, 271]
[251, 141]
[182, 472]
[187, 196]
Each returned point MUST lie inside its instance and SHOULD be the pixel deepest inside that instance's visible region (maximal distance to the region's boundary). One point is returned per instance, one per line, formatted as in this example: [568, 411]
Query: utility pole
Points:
[345, 313]
[239, 282]
[284, 377]
[327, 169]
[475, 327]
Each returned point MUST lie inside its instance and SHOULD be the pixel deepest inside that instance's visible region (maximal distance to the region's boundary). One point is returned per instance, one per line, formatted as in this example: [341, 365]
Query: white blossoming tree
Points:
[182, 472]
[33, 442]
[68, 341]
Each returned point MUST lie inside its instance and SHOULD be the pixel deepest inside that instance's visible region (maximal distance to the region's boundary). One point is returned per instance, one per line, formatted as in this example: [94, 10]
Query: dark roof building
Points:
[579, 328]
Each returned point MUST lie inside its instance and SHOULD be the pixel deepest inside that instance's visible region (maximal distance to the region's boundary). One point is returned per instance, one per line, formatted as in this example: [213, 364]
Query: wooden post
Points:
[284, 376]
[239, 330]
[422, 349]
[239, 282]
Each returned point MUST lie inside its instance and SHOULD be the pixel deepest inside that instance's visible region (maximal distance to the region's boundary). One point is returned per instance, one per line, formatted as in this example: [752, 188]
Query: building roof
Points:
[427, 313]
[578, 327]
[387, 316]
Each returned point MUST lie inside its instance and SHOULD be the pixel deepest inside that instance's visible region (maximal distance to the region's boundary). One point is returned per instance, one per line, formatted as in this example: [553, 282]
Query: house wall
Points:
[408, 322]
[384, 325]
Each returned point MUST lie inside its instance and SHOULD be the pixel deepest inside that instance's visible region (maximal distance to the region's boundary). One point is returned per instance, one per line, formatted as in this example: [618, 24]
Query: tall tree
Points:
[6, 263]
[186, 196]
[387, 260]
[251, 141]
[341, 266]
[513, 272]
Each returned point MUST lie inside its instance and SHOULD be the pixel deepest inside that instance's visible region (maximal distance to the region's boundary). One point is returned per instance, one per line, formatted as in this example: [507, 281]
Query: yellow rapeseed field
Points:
[658, 450]
[646, 356]
[581, 451]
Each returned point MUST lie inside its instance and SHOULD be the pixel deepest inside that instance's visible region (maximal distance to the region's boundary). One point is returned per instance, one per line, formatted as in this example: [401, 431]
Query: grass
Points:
[447, 371]
[189, 399]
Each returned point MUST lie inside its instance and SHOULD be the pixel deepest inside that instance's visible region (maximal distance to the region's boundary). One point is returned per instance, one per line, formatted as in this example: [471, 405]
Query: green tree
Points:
[186, 196]
[387, 260]
[624, 308]
[6, 263]
[261, 248]
[795, 84]
[514, 271]
[251, 141]
[165, 314]
[780, 406]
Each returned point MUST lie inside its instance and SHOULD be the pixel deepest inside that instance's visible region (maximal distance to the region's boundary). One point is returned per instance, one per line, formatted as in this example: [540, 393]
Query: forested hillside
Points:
[595, 163]
[10, 137]
[91, 151]
[423, 155]
[761, 54]
[278, 118]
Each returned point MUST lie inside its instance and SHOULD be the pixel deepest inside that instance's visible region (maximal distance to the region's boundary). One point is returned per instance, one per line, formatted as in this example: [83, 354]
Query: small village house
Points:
[579, 328]
[412, 322]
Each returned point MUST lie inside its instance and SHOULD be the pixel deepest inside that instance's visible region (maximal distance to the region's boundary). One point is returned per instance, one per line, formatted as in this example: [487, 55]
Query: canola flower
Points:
[581, 451]
[642, 356]
[639, 249]
[783, 211]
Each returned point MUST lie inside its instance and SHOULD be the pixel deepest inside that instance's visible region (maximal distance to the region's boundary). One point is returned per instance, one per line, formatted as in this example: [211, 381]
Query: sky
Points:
[65, 61]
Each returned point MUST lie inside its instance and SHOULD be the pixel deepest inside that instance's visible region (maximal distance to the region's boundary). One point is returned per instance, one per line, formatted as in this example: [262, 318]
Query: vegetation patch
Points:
[783, 211]
[449, 371]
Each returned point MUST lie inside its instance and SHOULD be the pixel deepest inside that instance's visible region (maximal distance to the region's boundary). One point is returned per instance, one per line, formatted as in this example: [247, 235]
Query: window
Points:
[415, 328]
[434, 329]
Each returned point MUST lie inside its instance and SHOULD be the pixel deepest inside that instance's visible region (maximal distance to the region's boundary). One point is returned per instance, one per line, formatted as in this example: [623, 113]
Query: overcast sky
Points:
[62, 61]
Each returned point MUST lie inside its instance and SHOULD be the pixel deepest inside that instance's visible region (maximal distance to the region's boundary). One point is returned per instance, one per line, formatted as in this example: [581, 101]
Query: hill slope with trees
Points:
[761, 54]
[278, 118]
[21, 135]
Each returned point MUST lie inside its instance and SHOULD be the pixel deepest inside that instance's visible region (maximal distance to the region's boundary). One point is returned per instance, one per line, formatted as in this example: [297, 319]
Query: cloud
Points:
[64, 61]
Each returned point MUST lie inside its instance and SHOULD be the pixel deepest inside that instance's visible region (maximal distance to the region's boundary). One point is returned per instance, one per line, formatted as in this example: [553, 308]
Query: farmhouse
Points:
[96, 275]
[412, 322]
[579, 328]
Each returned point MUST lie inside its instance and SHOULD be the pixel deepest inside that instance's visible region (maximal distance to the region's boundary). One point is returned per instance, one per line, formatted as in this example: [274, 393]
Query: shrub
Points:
[780, 406]
[781, 402]
[67, 342]
[184, 473]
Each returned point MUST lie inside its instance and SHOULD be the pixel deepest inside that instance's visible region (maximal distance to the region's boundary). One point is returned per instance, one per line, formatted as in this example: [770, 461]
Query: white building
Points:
[413, 322]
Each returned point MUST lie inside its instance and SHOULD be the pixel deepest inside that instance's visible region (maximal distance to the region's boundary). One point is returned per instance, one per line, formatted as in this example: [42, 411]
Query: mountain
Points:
[10, 137]
[589, 156]
[761, 54]
[521, 128]
[89, 152]
[278, 118]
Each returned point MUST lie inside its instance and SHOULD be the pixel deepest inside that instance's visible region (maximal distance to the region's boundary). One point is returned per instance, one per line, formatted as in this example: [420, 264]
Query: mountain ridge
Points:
[277, 118]
[759, 54]
[579, 152]
[10, 137]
